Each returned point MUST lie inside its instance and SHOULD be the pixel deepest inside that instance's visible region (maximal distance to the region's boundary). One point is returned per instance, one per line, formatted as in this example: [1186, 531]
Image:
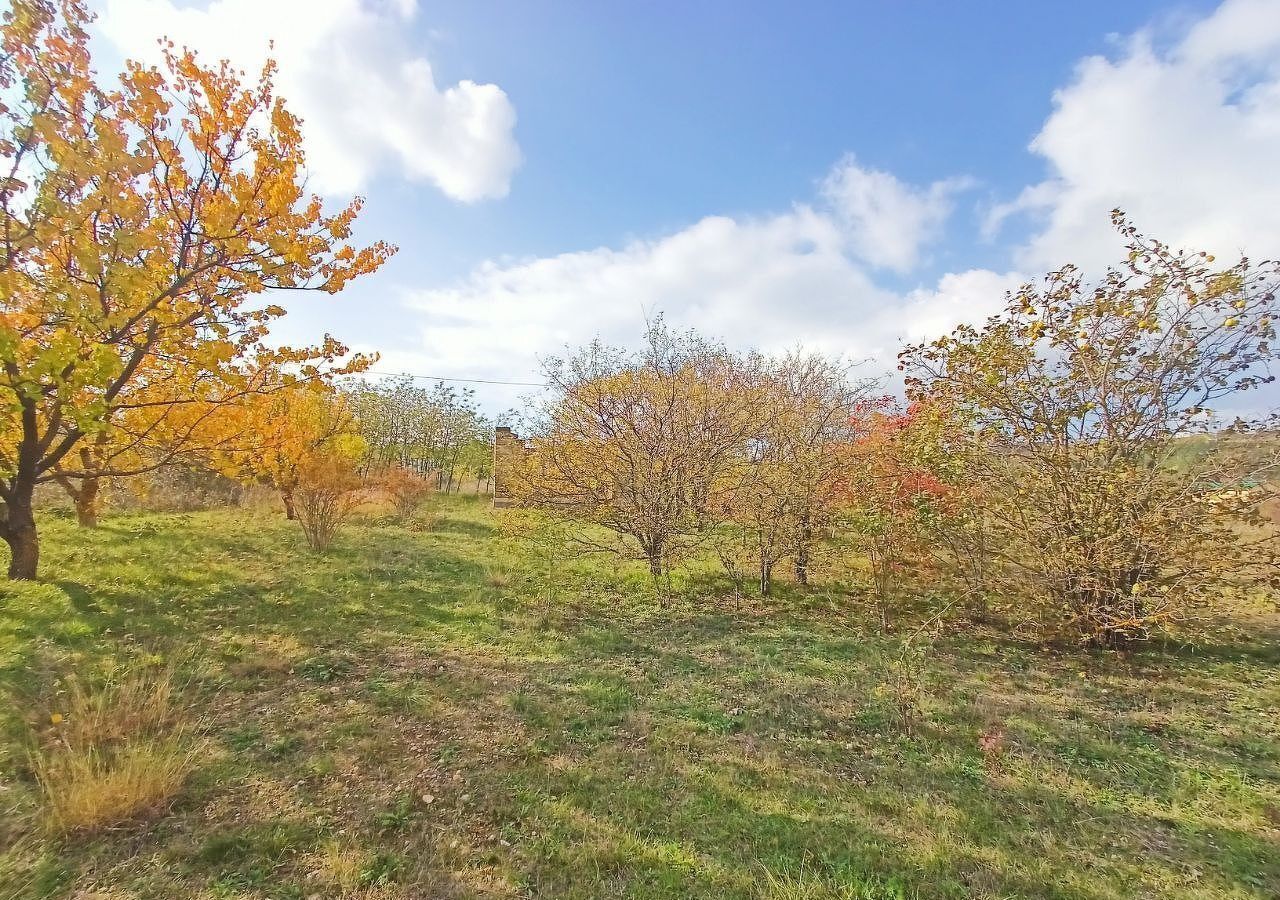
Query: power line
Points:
[442, 378]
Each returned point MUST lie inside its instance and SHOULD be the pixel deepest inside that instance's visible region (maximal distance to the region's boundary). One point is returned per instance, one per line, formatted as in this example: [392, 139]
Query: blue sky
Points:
[846, 175]
[638, 122]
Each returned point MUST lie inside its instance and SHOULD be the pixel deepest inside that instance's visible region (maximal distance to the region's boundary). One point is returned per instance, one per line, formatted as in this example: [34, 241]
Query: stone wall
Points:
[507, 447]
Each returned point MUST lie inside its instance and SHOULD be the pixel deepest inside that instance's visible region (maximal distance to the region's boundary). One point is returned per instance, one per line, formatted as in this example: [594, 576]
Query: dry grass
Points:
[113, 751]
[497, 578]
[340, 865]
[88, 789]
[115, 709]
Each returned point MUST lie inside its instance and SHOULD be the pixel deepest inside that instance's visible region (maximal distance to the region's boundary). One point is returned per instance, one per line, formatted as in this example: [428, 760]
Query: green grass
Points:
[411, 715]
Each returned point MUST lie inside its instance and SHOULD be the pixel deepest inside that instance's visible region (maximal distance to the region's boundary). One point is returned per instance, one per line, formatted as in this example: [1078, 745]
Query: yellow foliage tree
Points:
[184, 416]
[638, 444]
[279, 436]
[139, 222]
[786, 486]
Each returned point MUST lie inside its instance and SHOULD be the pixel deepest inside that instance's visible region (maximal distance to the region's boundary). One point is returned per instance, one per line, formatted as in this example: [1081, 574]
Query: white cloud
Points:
[368, 98]
[1183, 135]
[888, 221]
[1184, 138]
[771, 282]
[971, 296]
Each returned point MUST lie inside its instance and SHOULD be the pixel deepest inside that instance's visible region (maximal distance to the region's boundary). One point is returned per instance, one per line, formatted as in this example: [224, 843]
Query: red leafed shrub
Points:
[891, 491]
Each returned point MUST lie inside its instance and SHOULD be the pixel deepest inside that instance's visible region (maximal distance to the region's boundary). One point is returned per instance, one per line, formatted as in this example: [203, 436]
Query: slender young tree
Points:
[785, 489]
[891, 495]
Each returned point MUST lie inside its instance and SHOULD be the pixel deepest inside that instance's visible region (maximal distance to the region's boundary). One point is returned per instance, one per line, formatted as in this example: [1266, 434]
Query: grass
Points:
[87, 789]
[414, 714]
[110, 752]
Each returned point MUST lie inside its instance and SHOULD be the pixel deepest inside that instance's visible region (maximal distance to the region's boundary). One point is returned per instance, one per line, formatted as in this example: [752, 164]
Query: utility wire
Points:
[441, 378]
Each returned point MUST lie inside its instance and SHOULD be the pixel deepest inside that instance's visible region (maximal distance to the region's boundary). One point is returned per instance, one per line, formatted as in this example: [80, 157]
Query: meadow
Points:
[431, 709]
[990, 615]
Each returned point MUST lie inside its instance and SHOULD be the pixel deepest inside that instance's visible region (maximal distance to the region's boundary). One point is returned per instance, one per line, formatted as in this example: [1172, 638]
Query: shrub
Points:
[406, 489]
[112, 752]
[891, 494]
[1113, 494]
[328, 492]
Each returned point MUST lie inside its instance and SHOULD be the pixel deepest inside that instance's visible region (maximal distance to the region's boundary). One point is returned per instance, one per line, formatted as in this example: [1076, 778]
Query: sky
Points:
[844, 176]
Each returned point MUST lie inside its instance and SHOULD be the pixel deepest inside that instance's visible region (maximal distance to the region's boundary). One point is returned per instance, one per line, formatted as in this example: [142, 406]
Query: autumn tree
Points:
[891, 495]
[1113, 493]
[784, 489]
[936, 440]
[301, 427]
[436, 430]
[301, 439]
[186, 416]
[637, 443]
[138, 221]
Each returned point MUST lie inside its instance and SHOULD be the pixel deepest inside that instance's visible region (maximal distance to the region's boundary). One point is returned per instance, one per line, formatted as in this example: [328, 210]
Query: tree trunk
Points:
[1111, 638]
[766, 576]
[86, 500]
[290, 512]
[883, 577]
[802, 565]
[17, 513]
[802, 553]
[655, 566]
[18, 529]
